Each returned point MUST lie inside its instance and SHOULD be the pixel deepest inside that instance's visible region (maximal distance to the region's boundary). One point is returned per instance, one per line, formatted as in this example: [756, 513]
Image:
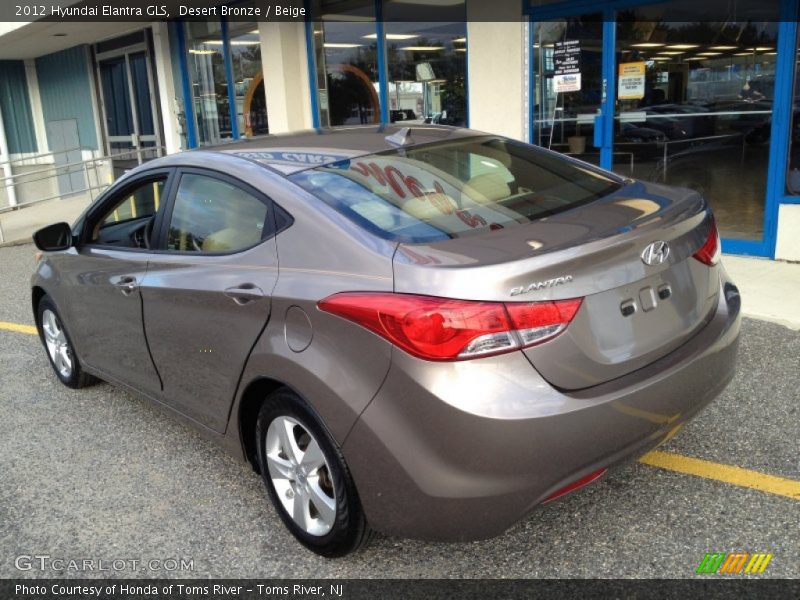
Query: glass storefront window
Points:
[694, 104]
[793, 172]
[248, 79]
[427, 63]
[564, 108]
[346, 53]
[208, 81]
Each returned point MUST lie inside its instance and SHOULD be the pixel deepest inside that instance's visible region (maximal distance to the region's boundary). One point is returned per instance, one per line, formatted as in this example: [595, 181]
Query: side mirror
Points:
[53, 237]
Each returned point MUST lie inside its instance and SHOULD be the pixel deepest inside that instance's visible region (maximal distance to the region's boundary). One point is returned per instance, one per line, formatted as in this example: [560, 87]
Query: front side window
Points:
[211, 215]
[452, 189]
[128, 219]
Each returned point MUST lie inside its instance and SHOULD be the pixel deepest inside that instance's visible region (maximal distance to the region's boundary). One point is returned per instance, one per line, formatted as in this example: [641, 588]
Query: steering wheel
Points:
[148, 232]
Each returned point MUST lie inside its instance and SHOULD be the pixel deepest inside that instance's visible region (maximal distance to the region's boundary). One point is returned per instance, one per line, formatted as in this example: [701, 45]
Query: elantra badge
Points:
[540, 285]
[655, 253]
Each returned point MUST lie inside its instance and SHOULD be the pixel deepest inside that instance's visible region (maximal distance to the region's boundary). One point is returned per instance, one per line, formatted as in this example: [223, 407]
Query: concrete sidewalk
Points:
[770, 289]
[18, 226]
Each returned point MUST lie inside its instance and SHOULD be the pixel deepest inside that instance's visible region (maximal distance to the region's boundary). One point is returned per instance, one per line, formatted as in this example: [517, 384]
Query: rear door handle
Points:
[126, 284]
[244, 293]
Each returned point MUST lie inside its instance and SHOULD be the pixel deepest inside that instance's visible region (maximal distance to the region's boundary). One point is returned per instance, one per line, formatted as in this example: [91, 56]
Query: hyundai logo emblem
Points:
[655, 253]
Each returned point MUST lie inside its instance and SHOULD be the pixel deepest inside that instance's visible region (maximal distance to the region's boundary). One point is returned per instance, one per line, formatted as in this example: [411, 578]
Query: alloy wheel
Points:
[301, 475]
[57, 344]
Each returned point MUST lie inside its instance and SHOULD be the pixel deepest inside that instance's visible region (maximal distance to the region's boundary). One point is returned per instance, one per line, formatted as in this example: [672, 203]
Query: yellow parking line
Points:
[18, 328]
[770, 484]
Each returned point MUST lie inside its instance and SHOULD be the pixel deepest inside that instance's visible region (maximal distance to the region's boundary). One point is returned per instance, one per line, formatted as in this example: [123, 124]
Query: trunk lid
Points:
[594, 252]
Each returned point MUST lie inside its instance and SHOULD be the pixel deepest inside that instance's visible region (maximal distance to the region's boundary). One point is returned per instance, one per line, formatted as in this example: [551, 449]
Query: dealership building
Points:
[699, 94]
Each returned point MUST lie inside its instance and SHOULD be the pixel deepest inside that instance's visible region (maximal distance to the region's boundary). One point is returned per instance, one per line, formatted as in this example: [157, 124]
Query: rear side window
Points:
[211, 215]
[451, 189]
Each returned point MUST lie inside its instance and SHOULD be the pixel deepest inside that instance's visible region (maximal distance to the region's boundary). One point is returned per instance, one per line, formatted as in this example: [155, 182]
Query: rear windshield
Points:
[453, 189]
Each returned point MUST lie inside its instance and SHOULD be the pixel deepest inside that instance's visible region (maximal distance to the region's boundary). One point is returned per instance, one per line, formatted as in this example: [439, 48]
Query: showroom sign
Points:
[631, 81]
[567, 66]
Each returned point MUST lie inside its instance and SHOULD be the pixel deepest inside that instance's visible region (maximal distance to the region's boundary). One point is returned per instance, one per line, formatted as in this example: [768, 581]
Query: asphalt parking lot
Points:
[97, 473]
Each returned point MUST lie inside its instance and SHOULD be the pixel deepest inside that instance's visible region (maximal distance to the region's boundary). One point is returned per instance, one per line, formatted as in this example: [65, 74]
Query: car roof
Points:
[290, 153]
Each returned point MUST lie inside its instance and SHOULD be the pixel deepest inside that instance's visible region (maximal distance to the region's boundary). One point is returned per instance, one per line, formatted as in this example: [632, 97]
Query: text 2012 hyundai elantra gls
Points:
[425, 331]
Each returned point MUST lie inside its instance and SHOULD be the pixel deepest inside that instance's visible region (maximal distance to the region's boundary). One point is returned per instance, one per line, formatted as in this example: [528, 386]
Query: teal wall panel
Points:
[66, 91]
[16, 107]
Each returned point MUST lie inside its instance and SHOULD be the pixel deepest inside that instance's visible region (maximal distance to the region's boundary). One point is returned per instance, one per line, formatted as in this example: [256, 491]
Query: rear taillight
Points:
[445, 329]
[710, 250]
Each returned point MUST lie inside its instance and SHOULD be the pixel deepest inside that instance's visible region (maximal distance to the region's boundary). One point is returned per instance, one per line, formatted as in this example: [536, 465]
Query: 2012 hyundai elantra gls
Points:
[424, 331]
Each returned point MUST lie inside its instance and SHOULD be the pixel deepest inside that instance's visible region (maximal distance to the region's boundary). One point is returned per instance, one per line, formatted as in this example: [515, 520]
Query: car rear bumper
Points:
[461, 451]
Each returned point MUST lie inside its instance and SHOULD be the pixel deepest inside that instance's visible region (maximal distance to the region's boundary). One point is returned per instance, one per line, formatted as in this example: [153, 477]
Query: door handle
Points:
[244, 293]
[126, 284]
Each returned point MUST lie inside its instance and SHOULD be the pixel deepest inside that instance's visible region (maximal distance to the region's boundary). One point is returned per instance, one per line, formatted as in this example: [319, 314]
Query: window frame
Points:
[114, 195]
[161, 228]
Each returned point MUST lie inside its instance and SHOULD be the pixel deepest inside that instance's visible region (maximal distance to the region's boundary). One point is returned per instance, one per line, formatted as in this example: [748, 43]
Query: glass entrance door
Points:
[674, 96]
[694, 104]
[125, 84]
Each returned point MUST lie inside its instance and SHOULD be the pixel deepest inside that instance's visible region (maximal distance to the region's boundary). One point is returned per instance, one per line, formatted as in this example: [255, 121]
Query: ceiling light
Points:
[347, 18]
[743, 54]
[460, 49]
[683, 46]
[709, 53]
[422, 48]
[432, 2]
[254, 32]
[661, 58]
[671, 52]
[647, 45]
[723, 47]
[461, 40]
[233, 42]
[761, 48]
[392, 36]
[195, 51]
[338, 45]
[696, 58]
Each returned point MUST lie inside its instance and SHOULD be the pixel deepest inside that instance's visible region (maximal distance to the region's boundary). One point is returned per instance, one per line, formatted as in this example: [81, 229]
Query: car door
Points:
[103, 281]
[206, 295]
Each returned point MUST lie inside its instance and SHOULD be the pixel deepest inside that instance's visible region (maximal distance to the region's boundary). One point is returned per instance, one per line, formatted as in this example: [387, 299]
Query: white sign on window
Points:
[567, 66]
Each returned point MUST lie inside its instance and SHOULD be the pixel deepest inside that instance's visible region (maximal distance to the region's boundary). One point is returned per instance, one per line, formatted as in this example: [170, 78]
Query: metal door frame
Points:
[136, 138]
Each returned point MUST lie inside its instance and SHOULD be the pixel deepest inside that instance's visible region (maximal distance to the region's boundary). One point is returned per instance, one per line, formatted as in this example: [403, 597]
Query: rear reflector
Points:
[710, 250]
[444, 329]
[575, 485]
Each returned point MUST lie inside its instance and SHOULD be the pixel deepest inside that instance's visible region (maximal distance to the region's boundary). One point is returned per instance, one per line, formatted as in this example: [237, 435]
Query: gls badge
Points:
[655, 253]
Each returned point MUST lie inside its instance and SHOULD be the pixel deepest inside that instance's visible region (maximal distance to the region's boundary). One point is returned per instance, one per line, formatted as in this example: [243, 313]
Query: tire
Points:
[310, 479]
[58, 346]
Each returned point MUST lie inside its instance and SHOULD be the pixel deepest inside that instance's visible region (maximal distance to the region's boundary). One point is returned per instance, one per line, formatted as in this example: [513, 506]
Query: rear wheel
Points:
[60, 350]
[307, 479]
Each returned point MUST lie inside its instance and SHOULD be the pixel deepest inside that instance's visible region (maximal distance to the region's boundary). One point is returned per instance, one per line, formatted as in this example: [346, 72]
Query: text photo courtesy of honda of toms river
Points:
[422, 331]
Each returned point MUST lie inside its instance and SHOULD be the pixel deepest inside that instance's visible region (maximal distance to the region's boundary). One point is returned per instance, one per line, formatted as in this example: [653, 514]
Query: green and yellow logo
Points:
[734, 562]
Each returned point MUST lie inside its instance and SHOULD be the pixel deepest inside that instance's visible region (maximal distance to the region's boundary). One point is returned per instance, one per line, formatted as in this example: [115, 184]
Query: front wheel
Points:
[59, 347]
[307, 479]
